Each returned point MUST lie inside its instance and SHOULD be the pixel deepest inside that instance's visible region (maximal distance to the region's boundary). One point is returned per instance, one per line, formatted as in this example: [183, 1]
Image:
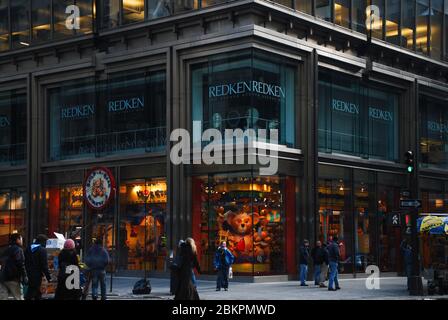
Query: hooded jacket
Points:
[36, 262]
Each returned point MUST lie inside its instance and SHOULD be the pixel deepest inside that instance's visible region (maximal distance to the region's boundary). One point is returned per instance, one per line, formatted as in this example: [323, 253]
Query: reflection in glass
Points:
[207, 3]
[133, 11]
[392, 21]
[377, 24]
[436, 28]
[342, 13]
[287, 3]
[159, 8]
[86, 16]
[60, 18]
[4, 25]
[12, 214]
[184, 5]
[408, 24]
[41, 19]
[423, 12]
[110, 13]
[323, 9]
[304, 6]
[20, 23]
[359, 15]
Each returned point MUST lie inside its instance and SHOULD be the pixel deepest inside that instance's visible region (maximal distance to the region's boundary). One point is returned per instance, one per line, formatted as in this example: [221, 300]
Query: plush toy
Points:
[240, 234]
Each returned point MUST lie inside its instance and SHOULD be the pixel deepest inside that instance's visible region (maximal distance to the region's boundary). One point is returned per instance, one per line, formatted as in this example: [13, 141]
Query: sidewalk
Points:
[391, 288]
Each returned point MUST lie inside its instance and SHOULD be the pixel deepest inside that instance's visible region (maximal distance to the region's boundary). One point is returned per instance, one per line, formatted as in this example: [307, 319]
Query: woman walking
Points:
[186, 289]
[67, 257]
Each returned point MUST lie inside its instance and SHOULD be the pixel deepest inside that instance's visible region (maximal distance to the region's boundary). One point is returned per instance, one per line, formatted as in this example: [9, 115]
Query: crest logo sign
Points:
[99, 188]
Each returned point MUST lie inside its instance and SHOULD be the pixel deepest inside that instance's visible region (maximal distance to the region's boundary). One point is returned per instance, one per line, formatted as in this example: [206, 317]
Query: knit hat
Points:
[69, 244]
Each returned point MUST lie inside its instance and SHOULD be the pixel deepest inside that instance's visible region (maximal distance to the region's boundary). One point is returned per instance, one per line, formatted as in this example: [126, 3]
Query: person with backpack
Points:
[36, 262]
[97, 260]
[223, 260]
[13, 273]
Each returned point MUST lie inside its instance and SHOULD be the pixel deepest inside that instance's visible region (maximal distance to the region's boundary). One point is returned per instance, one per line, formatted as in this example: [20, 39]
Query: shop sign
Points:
[345, 106]
[380, 114]
[99, 188]
[126, 104]
[4, 122]
[242, 87]
[438, 127]
[78, 112]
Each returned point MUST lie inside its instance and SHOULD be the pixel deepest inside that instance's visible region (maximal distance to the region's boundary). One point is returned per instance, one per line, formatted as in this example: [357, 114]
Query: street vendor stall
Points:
[433, 233]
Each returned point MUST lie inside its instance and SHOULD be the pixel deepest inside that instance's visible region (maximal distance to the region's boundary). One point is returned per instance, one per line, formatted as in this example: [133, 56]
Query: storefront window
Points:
[245, 90]
[422, 26]
[4, 25]
[342, 13]
[408, 24]
[142, 235]
[110, 13]
[129, 116]
[248, 212]
[13, 128]
[355, 119]
[434, 196]
[436, 28]
[20, 23]
[393, 13]
[434, 132]
[41, 20]
[12, 214]
[133, 11]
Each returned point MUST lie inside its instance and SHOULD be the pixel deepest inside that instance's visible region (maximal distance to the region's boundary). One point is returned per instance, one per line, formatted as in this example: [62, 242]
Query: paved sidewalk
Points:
[391, 288]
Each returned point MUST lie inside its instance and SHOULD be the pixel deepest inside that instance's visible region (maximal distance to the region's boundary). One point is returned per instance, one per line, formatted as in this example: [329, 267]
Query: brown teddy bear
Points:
[241, 237]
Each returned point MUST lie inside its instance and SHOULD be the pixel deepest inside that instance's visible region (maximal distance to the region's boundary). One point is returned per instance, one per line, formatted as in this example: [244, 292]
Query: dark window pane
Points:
[133, 11]
[110, 13]
[408, 24]
[422, 26]
[60, 18]
[287, 3]
[41, 19]
[342, 13]
[393, 21]
[86, 17]
[304, 6]
[159, 8]
[184, 5]
[4, 25]
[359, 15]
[436, 28]
[323, 9]
[446, 28]
[20, 23]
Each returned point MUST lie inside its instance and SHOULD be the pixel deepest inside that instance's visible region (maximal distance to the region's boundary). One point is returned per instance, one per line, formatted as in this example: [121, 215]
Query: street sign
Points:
[412, 203]
[395, 219]
[405, 194]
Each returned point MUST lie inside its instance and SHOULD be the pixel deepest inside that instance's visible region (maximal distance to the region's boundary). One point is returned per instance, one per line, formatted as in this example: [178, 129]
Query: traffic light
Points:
[409, 156]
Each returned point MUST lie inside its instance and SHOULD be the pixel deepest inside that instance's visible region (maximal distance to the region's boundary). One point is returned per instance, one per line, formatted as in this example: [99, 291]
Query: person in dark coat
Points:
[67, 257]
[97, 260]
[304, 254]
[36, 262]
[406, 251]
[13, 272]
[186, 290]
[223, 260]
[333, 258]
[174, 267]
[320, 257]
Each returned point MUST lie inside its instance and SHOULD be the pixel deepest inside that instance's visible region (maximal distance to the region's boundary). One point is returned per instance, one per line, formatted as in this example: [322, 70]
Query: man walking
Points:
[304, 254]
[318, 254]
[13, 272]
[223, 260]
[333, 258]
[97, 260]
[36, 262]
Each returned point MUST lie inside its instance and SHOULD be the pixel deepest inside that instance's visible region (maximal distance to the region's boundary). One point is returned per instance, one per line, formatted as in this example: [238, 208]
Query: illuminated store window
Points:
[207, 3]
[355, 119]
[245, 90]
[323, 9]
[41, 19]
[434, 195]
[127, 113]
[60, 18]
[4, 25]
[13, 127]
[434, 132]
[304, 6]
[133, 11]
[12, 214]
[436, 28]
[359, 15]
[408, 24]
[110, 13]
[423, 13]
[248, 213]
[377, 23]
[20, 24]
[142, 237]
[393, 13]
[342, 13]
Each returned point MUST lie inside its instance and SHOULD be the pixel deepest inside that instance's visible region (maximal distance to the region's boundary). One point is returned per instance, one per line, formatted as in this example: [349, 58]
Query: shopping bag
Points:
[230, 273]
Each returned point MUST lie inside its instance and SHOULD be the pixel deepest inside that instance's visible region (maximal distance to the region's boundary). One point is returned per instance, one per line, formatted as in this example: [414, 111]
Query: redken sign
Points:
[438, 127]
[243, 87]
[351, 108]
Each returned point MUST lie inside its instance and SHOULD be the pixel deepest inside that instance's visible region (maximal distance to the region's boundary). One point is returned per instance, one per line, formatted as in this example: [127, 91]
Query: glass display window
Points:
[142, 233]
[12, 214]
[248, 213]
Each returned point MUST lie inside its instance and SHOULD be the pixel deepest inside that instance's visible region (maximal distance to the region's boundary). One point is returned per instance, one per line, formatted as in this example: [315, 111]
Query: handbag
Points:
[230, 273]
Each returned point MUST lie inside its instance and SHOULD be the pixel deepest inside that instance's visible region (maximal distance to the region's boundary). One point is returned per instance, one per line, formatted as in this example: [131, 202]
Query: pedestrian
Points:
[67, 258]
[333, 259]
[97, 260]
[186, 290]
[318, 255]
[406, 251]
[36, 262]
[304, 254]
[324, 267]
[174, 267]
[223, 261]
[13, 274]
